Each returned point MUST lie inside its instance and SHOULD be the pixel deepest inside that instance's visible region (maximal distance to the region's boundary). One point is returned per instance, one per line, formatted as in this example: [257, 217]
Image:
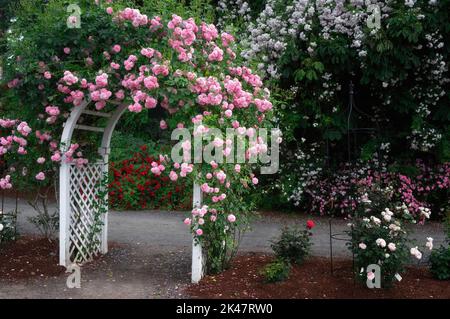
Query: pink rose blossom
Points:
[116, 48]
[56, 157]
[228, 113]
[173, 176]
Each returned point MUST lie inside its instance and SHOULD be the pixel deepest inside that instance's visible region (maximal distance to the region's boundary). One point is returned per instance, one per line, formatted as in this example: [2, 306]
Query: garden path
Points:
[166, 230]
[150, 254]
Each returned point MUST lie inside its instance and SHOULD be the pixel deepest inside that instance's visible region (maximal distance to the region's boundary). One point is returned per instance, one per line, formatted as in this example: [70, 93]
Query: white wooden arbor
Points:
[78, 187]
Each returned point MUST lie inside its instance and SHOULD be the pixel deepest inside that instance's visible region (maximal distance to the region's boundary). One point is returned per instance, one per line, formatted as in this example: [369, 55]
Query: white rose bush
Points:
[379, 235]
[395, 54]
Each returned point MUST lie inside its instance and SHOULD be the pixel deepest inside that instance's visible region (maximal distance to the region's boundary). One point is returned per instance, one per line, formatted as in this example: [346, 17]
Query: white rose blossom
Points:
[429, 243]
[415, 252]
[381, 242]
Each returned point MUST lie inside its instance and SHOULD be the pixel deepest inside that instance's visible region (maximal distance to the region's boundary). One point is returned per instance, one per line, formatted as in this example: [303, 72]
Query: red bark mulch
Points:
[28, 258]
[312, 279]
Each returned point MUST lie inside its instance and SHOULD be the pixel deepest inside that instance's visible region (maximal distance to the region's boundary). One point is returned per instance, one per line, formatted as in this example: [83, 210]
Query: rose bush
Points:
[294, 244]
[379, 235]
[440, 257]
[132, 186]
[311, 186]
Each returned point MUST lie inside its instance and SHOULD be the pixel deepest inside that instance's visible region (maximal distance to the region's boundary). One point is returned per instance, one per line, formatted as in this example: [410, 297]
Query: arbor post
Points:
[198, 261]
[64, 214]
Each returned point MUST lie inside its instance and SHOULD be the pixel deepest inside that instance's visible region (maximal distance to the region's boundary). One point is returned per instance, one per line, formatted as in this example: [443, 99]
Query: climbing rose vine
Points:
[188, 69]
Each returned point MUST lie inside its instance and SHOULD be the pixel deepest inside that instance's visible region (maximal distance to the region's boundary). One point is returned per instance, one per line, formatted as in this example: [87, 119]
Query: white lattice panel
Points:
[79, 187]
[84, 244]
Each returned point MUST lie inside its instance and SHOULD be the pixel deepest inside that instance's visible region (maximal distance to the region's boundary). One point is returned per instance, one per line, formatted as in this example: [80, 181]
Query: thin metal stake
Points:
[15, 215]
[331, 249]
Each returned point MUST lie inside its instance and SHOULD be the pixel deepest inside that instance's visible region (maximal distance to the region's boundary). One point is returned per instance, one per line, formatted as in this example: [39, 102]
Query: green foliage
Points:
[7, 9]
[8, 220]
[276, 271]
[440, 263]
[293, 245]
[221, 248]
[46, 221]
[224, 238]
[440, 258]
[125, 143]
[198, 9]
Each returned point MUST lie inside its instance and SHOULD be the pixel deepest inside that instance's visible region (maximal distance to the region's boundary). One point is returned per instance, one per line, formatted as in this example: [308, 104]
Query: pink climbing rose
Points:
[116, 48]
[40, 176]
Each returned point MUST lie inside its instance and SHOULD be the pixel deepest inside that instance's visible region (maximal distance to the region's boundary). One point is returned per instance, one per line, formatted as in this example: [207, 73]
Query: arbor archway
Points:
[126, 59]
[79, 187]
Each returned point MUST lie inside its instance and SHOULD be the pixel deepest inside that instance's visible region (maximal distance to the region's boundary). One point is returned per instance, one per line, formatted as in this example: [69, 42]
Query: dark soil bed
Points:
[29, 257]
[313, 279]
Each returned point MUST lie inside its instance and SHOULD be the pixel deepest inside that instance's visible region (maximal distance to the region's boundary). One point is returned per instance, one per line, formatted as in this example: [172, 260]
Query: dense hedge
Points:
[315, 53]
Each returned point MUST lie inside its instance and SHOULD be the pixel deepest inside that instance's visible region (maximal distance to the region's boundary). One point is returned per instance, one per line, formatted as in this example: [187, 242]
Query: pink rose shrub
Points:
[311, 186]
[14, 136]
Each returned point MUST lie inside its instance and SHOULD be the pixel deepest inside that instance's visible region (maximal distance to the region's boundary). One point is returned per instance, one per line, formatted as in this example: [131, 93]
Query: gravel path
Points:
[150, 254]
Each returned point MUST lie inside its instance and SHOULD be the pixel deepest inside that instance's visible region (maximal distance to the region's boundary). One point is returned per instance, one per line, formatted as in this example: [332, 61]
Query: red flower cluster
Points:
[310, 224]
[133, 186]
